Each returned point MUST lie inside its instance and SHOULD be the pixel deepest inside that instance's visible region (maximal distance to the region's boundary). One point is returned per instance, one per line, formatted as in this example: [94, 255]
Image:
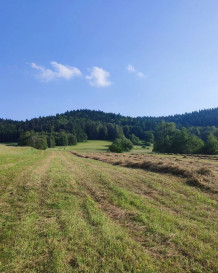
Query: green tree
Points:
[24, 138]
[164, 134]
[194, 145]
[81, 137]
[149, 136]
[72, 140]
[179, 141]
[135, 140]
[35, 140]
[61, 139]
[39, 142]
[211, 145]
[51, 141]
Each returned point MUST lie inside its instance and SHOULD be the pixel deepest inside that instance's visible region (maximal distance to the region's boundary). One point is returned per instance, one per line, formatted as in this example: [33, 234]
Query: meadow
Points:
[81, 209]
[98, 146]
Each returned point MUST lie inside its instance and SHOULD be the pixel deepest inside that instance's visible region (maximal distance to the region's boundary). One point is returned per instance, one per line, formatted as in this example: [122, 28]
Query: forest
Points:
[195, 132]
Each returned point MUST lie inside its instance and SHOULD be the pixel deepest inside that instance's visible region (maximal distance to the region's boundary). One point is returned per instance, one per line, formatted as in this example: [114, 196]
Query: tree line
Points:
[45, 140]
[97, 125]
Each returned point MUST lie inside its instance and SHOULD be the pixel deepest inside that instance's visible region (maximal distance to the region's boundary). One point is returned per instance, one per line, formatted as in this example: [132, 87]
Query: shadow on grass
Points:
[10, 143]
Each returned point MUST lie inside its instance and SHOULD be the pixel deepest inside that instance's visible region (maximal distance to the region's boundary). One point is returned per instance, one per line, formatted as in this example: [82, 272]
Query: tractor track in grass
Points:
[164, 247]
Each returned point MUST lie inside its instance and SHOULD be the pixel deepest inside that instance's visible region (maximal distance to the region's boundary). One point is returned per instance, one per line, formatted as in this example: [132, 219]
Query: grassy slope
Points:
[61, 213]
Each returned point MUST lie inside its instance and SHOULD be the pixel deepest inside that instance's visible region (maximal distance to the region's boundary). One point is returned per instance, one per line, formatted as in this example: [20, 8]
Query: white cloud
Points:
[99, 77]
[131, 69]
[140, 75]
[59, 71]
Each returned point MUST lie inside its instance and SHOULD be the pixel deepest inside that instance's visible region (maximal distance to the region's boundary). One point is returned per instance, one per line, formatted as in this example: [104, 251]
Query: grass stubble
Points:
[64, 213]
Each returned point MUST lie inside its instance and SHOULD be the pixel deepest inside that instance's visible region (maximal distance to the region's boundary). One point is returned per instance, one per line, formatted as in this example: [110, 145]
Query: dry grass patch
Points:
[204, 177]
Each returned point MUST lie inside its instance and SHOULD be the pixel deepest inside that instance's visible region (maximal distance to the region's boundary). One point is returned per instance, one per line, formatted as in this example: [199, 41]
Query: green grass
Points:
[91, 146]
[138, 149]
[98, 146]
[62, 213]
[88, 146]
[10, 143]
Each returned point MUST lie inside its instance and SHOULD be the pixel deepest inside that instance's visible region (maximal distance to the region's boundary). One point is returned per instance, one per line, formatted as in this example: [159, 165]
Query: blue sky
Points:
[137, 58]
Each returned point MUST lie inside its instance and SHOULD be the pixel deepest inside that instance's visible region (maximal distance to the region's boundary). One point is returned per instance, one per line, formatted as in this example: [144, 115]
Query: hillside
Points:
[104, 126]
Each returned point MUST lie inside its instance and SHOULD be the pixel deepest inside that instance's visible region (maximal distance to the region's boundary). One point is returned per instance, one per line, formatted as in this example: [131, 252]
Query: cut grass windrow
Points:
[158, 225]
[61, 213]
[202, 177]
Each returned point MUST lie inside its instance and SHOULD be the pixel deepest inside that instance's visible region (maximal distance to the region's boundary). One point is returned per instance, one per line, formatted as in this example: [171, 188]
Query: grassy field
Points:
[97, 146]
[84, 147]
[64, 213]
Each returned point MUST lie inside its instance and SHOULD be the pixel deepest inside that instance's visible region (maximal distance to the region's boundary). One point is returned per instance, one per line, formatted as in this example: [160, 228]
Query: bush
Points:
[120, 145]
[116, 146]
[135, 140]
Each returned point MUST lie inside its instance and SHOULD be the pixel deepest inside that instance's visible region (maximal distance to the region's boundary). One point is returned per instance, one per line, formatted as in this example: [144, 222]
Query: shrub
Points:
[120, 145]
[135, 140]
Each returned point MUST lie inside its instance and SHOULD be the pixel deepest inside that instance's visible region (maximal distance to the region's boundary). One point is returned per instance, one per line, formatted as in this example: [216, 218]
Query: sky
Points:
[136, 58]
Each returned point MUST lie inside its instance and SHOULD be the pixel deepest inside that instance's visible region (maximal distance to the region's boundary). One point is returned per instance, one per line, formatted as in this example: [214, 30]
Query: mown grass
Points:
[92, 146]
[61, 213]
[200, 174]
[84, 147]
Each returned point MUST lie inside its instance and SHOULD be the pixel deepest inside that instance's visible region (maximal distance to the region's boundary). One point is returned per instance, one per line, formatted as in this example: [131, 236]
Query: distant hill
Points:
[202, 118]
[101, 125]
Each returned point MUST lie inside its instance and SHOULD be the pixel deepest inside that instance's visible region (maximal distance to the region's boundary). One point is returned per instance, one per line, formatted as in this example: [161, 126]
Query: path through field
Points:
[62, 213]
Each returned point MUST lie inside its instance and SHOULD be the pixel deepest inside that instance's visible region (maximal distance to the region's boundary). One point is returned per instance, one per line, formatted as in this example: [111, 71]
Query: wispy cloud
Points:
[140, 74]
[99, 77]
[58, 71]
[131, 69]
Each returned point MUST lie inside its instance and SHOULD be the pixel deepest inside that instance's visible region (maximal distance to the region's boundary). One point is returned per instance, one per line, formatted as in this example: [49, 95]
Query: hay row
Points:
[201, 177]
